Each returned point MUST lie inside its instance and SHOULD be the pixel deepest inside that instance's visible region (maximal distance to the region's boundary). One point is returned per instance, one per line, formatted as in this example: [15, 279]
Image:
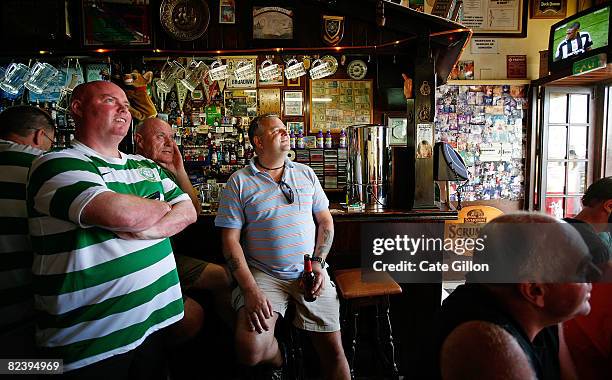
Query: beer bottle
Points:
[308, 279]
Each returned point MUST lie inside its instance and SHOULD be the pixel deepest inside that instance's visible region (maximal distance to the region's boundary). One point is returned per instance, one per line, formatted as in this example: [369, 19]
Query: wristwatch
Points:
[319, 260]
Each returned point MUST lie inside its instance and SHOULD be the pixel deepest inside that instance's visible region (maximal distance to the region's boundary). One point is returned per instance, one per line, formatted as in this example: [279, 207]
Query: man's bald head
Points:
[530, 247]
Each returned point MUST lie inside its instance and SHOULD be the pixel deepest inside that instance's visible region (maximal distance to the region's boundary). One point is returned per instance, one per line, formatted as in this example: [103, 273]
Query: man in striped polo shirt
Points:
[25, 132]
[105, 277]
[266, 212]
[576, 42]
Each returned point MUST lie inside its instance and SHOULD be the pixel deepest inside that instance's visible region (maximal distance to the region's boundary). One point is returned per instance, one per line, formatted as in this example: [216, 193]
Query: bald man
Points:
[105, 278]
[154, 140]
[504, 322]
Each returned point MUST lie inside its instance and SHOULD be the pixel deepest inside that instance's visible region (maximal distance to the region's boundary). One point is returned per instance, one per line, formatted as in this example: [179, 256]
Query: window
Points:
[566, 150]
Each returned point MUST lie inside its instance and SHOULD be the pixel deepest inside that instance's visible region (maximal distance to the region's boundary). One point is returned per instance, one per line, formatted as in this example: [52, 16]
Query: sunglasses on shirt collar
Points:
[287, 191]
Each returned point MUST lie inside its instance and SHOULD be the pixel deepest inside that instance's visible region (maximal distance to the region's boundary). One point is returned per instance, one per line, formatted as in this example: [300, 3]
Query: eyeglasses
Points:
[287, 191]
[47, 136]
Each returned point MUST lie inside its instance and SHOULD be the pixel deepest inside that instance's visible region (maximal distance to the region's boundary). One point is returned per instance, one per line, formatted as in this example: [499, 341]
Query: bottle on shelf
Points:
[308, 279]
[328, 140]
[292, 140]
[300, 141]
[342, 138]
[320, 139]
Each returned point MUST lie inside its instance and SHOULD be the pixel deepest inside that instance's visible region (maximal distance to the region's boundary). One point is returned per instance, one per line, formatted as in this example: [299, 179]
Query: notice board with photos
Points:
[486, 124]
[339, 103]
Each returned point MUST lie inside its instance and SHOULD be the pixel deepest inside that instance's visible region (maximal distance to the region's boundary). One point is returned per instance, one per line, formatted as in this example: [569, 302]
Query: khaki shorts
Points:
[189, 270]
[322, 315]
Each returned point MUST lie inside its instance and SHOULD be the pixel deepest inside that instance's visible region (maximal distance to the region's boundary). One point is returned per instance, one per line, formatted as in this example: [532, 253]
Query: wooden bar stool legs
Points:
[357, 295]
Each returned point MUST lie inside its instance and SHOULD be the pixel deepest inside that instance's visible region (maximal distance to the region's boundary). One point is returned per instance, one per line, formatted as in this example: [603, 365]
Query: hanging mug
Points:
[269, 71]
[194, 75]
[244, 70]
[41, 76]
[294, 69]
[168, 75]
[14, 77]
[319, 69]
[218, 71]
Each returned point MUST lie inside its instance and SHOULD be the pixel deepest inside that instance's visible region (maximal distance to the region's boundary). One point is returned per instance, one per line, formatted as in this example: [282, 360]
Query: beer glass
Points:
[14, 77]
[218, 71]
[244, 70]
[269, 71]
[168, 75]
[294, 69]
[319, 69]
[41, 76]
[194, 74]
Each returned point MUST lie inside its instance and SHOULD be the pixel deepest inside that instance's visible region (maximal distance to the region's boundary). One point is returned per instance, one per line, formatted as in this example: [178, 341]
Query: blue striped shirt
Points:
[275, 234]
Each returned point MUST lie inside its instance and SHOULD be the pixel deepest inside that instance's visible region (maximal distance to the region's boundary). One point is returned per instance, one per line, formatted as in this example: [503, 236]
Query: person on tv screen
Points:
[576, 42]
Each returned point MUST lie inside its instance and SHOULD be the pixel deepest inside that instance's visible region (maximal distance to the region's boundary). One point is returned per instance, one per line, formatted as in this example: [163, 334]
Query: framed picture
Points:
[295, 82]
[116, 23]
[227, 12]
[398, 125]
[272, 23]
[293, 103]
[269, 101]
[496, 18]
[548, 9]
[339, 103]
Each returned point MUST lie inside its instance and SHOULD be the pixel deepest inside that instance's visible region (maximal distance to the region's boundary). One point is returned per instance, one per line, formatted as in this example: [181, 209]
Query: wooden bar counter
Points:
[412, 312]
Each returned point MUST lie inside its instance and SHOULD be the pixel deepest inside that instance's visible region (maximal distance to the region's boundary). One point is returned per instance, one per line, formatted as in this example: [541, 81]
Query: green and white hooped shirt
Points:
[16, 300]
[99, 295]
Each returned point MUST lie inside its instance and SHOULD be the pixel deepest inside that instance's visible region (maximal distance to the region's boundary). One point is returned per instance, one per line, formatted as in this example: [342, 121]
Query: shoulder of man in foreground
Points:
[478, 349]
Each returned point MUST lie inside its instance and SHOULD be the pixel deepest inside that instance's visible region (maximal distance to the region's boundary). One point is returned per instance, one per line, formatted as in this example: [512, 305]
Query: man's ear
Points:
[139, 141]
[38, 137]
[257, 142]
[608, 206]
[75, 107]
[533, 292]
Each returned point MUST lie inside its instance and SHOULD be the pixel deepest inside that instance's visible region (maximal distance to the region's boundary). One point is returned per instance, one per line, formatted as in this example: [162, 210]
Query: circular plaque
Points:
[184, 20]
[357, 69]
[332, 63]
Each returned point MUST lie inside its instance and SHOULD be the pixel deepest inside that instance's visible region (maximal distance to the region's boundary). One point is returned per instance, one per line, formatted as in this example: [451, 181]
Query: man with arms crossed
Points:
[105, 277]
[271, 203]
[25, 132]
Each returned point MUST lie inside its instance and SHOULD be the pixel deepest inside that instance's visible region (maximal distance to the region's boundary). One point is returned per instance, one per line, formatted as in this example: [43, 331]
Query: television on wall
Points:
[579, 36]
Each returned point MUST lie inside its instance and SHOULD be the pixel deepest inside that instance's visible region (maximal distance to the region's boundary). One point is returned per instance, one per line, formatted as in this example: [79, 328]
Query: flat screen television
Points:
[579, 36]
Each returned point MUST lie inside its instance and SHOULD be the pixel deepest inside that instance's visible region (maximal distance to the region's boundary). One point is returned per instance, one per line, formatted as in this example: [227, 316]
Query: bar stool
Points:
[357, 294]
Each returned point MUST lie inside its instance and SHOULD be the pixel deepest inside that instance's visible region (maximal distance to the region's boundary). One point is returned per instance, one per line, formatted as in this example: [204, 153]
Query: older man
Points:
[271, 204]
[504, 322]
[105, 277]
[25, 132]
[155, 140]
